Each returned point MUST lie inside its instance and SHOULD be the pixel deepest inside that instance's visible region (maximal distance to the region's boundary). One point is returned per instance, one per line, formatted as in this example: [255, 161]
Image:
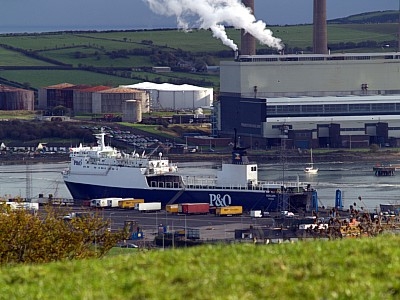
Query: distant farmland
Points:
[126, 57]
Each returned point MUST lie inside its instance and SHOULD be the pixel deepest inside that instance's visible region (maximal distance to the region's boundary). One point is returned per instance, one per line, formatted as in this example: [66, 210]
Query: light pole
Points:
[173, 235]
[156, 224]
[110, 228]
[185, 231]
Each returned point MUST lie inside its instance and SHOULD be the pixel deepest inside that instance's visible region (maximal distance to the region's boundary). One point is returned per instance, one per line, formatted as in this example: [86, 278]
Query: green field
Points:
[128, 53]
[41, 78]
[366, 268]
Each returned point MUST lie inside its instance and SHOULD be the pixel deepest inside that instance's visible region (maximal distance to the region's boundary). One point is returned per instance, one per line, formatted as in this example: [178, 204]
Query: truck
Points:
[129, 203]
[172, 208]
[113, 202]
[134, 231]
[23, 205]
[256, 214]
[229, 211]
[194, 208]
[148, 206]
[98, 203]
[78, 214]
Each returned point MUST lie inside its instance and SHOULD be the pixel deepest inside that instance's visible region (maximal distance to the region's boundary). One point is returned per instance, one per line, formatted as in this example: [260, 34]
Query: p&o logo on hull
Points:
[220, 200]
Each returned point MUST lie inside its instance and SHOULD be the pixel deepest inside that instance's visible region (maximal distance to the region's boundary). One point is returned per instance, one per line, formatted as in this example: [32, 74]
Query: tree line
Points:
[21, 130]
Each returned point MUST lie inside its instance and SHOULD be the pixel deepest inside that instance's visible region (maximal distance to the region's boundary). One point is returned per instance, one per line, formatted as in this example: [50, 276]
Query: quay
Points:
[384, 170]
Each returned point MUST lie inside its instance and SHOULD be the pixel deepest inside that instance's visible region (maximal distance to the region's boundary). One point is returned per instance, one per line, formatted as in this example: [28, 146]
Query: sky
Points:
[56, 15]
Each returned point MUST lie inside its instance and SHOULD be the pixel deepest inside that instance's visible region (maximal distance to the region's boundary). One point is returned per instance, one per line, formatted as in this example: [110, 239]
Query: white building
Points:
[166, 96]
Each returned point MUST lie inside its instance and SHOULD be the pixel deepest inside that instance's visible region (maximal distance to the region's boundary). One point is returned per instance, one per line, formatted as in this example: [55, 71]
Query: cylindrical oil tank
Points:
[16, 99]
[132, 111]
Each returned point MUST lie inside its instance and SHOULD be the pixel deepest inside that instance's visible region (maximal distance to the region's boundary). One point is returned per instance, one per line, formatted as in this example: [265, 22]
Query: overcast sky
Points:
[54, 15]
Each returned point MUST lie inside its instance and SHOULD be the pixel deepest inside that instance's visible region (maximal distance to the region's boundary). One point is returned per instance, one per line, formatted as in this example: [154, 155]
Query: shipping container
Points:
[23, 205]
[148, 206]
[172, 208]
[129, 203]
[194, 208]
[86, 203]
[229, 210]
[99, 203]
[113, 202]
[256, 214]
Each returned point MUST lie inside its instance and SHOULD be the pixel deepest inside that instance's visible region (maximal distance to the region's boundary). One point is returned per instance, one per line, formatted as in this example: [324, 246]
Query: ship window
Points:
[359, 107]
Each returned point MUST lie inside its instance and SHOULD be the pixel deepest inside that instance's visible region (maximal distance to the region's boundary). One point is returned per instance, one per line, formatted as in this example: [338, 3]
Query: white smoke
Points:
[212, 14]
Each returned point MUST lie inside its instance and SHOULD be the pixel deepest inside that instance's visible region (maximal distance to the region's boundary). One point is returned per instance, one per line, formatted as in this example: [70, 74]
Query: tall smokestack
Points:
[248, 42]
[320, 34]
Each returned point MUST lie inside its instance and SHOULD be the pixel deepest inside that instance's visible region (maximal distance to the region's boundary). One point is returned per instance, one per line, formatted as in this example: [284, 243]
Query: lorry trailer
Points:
[129, 203]
[229, 210]
[193, 208]
[148, 206]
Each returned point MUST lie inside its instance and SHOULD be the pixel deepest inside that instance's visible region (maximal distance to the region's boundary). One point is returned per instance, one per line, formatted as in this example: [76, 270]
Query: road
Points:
[211, 227]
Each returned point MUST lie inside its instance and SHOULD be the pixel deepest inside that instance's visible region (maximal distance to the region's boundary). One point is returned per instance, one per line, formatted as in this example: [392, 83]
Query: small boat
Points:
[310, 169]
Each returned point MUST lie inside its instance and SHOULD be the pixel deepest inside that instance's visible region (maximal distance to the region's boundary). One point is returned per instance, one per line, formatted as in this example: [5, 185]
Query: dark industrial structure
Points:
[248, 42]
[12, 98]
[320, 35]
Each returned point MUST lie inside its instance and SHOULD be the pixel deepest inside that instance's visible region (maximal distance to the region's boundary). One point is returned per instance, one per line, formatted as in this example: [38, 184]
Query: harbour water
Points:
[354, 179]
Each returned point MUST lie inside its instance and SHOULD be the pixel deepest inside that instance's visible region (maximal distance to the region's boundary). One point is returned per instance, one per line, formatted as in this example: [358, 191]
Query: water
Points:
[354, 179]
[16, 180]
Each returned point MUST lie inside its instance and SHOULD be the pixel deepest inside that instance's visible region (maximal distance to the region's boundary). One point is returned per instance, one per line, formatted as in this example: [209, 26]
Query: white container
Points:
[148, 206]
[256, 213]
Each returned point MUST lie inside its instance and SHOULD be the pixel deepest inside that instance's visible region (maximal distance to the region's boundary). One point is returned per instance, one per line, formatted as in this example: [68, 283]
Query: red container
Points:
[194, 208]
[86, 203]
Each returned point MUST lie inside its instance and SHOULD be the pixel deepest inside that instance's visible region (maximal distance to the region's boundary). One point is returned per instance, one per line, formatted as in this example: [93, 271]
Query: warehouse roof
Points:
[120, 90]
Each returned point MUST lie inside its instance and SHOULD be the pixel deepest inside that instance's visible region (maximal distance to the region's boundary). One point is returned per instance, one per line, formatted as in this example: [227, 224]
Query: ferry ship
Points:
[103, 171]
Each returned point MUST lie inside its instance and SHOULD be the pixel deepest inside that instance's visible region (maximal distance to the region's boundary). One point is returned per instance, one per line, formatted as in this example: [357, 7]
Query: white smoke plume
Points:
[212, 14]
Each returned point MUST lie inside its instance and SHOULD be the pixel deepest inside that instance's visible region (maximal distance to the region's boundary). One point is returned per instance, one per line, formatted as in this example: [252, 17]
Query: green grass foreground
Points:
[367, 268]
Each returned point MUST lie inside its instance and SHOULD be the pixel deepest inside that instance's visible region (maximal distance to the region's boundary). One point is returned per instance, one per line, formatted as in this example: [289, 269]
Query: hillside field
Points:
[126, 57]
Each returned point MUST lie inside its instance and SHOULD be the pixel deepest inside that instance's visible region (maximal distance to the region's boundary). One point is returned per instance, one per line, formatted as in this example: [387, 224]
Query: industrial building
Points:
[82, 98]
[301, 98]
[166, 96]
[12, 98]
[112, 100]
[58, 95]
[95, 99]
[311, 100]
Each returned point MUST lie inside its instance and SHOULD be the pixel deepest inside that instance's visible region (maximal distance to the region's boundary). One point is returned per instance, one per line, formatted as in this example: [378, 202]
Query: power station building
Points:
[312, 100]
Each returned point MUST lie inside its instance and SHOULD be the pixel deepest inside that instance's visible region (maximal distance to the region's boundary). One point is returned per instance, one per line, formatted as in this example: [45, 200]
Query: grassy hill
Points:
[366, 268]
[122, 57]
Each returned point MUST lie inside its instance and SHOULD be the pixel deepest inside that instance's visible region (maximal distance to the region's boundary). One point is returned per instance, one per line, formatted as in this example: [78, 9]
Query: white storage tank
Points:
[168, 96]
[132, 111]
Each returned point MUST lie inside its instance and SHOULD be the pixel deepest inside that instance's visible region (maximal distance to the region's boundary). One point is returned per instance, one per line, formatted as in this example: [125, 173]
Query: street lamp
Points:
[111, 213]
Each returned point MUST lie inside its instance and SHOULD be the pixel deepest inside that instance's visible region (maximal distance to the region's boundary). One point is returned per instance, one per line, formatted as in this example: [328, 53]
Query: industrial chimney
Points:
[320, 34]
[248, 42]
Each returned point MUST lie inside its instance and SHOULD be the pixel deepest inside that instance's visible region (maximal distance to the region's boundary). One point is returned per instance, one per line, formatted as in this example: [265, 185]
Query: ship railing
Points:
[281, 183]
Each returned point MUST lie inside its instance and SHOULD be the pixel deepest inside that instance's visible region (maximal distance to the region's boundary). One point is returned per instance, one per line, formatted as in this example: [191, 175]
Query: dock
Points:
[381, 170]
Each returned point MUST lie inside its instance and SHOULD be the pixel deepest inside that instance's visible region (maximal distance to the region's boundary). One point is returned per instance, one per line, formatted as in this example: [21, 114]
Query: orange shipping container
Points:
[172, 208]
[129, 203]
[229, 210]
